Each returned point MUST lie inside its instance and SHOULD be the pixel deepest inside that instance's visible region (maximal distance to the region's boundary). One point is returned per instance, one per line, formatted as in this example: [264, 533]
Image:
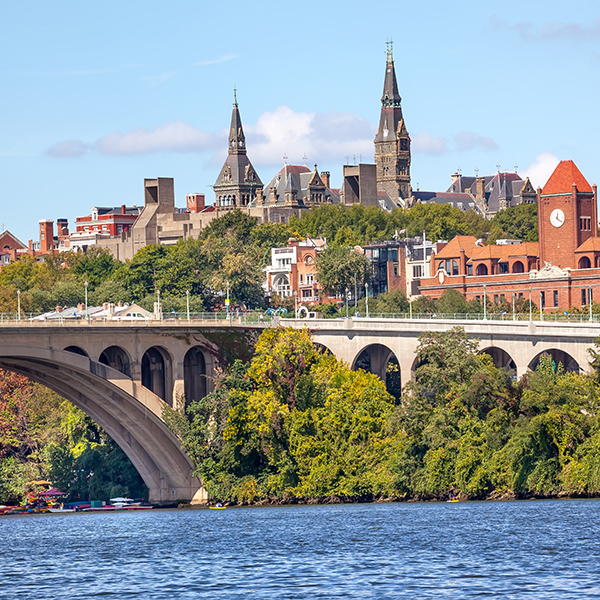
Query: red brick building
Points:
[559, 272]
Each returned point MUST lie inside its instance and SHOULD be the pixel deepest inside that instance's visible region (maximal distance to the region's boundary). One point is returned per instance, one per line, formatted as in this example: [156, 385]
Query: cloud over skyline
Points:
[548, 31]
[541, 168]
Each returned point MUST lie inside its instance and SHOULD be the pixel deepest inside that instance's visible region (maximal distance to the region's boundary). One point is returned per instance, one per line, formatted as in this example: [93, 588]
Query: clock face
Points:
[557, 217]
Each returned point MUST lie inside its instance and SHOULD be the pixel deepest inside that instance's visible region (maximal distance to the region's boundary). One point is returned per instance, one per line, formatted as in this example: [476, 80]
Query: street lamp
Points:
[187, 293]
[367, 299]
[484, 303]
[530, 315]
[590, 301]
[347, 292]
[158, 306]
[18, 305]
[295, 304]
[227, 299]
[86, 299]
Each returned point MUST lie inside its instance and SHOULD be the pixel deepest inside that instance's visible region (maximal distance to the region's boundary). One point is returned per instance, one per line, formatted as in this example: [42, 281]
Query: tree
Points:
[338, 268]
[516, 222]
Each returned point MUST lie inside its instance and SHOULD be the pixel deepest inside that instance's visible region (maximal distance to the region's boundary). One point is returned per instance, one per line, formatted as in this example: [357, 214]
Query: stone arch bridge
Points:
[123, 374]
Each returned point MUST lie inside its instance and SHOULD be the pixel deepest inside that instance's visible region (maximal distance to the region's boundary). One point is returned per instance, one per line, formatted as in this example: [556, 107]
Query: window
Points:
[543, 299]
[301, 278]
[395, 269]
[583, 298]
[469, 269]
[503, 267]
[454, 268]
[520, 294]
[448, 267]
[309, 278]
[495, 298]
[417, 271]
[585, 223]
[502, 298]
[555, 298]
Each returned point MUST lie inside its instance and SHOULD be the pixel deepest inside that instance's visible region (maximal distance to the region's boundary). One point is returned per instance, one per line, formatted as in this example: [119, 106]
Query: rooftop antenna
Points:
[516, 168]
[459, 171]
[498, 167]
[305, 158]
[3, 226]
[476, 172]
[390, 49]
[235, 96]
[285, 158]
[354, 158]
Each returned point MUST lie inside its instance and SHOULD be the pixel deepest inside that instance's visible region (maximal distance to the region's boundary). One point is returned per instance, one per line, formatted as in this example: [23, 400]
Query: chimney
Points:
[272, 195]
[62, 227]
[46, 236]
[123, 209]
[326, 178]
[480, 188]
[260, 199]
[110, 312]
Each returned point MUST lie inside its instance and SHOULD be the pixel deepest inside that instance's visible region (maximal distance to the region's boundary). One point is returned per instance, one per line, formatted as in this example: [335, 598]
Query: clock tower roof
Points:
[562, 179]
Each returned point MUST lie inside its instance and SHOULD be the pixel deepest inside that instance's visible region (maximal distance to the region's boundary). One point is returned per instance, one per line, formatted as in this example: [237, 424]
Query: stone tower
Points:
[392, 142]
[238, 182]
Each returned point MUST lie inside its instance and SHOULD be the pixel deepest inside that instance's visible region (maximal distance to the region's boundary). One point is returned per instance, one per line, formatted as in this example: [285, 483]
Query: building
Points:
[392, 142]
[560, 271]
[292, 272]
[10, 248]
[238, 182]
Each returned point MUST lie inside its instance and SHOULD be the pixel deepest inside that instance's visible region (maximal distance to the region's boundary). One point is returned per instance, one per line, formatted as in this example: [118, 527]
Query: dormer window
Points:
[94, 214]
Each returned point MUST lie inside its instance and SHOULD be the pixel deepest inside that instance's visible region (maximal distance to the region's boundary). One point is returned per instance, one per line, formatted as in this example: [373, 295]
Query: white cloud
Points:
[469, 140]
[175, 136]
[541, 168]
[548, 31]
[216, 61]
[158, 79]
[426, 143]
[319, 136]
[68, 149]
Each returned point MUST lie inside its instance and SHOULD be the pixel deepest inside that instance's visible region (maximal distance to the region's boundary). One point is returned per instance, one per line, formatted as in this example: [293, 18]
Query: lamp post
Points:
[227, 300]
[367, 299]
[530, 315]
[18, 305]
[158, 304]
[347, 291]
[484, 304]
[295, 304]
[514, 306]
[187, 297]
[86, 299]
[590, 301]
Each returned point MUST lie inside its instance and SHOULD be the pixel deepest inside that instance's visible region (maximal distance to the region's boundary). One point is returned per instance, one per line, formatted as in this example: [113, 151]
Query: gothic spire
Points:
[237, 140]
[391, 111]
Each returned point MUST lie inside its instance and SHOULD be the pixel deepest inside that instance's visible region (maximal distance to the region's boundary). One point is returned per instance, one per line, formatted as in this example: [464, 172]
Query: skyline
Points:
[153, 97]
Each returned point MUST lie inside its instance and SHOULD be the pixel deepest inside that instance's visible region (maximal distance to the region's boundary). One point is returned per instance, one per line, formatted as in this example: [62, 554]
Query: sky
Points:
[98, 97]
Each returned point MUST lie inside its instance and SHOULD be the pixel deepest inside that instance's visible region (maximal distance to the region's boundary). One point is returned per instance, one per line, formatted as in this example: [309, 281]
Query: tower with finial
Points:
[392, 142]
[238, 183]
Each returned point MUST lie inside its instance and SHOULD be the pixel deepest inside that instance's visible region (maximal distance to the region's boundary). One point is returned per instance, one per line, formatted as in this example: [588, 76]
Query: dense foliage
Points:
[233, 250]
[295, 424]
[42, 436]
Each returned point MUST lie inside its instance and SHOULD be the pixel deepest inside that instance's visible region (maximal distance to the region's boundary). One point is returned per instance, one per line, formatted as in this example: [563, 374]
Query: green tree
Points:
[338, 268]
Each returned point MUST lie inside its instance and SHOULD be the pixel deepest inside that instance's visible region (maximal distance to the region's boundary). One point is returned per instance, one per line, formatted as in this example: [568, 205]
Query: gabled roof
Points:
[493, 251]
[562, 179]
[8, 239]
[590, 245]
[524, 249]
[454, 247]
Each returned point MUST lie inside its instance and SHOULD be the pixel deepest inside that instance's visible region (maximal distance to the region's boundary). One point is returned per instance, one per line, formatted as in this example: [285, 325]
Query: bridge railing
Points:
[264, 319]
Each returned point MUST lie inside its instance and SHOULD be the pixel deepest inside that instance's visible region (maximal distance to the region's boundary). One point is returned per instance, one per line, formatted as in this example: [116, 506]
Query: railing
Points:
[263, 319]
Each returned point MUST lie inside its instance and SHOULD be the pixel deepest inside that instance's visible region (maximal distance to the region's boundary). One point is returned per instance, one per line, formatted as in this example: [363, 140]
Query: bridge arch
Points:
[194, 375]
[117, 358]
[156, 372]
[569, 363]
[127, 411]
[502, 359]
[77, 350]
[381, 361]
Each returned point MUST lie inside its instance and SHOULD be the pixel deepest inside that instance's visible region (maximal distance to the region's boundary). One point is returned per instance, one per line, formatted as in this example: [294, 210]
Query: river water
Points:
[535, 549]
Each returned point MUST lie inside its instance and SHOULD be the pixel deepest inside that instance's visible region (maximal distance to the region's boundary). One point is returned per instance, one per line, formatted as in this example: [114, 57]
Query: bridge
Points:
[123, 374]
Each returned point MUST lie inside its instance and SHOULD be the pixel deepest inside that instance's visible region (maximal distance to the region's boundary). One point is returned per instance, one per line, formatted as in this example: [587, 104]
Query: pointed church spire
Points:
[392, 142]
[237, 140]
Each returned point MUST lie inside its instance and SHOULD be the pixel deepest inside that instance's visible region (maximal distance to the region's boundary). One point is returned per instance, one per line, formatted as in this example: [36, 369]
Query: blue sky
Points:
[97, 97]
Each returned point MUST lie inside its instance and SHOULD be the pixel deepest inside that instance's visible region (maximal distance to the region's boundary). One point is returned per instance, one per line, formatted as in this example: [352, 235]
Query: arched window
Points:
[518, 267]
[482, 270]
[585, 263]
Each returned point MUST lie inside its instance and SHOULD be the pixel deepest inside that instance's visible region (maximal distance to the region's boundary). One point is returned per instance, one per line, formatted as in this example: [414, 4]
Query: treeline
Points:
[44, 437]
[234, 249]
[295, 424]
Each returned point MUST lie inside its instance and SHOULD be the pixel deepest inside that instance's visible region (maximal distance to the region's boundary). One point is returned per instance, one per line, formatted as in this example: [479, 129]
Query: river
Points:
[528, 549]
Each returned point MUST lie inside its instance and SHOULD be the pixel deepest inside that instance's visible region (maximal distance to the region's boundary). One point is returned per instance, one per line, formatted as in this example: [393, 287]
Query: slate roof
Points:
[562, 179]
[525, 249]
[294, 177]
[459, 200]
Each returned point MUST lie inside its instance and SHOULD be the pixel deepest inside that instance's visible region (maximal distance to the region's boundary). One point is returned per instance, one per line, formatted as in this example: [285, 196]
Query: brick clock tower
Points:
[567, 215]
[392, 142]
